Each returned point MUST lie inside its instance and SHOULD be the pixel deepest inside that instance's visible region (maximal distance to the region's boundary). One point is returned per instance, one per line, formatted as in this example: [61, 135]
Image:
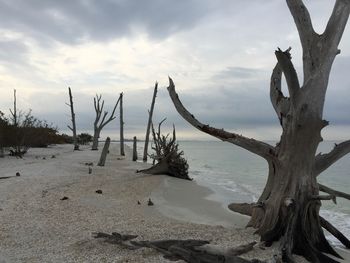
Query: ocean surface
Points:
[236, 175]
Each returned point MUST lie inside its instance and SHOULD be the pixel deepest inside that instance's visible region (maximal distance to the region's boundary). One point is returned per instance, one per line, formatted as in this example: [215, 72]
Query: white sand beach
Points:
[36, 226]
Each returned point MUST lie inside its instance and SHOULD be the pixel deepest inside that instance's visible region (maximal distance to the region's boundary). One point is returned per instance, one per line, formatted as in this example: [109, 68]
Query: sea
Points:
[236, 175]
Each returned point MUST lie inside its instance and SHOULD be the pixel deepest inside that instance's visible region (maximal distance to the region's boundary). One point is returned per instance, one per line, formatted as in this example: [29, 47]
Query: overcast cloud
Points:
[219, 53]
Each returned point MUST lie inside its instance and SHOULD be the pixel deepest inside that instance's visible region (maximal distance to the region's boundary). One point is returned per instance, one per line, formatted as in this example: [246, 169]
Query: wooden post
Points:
[73, 128]
[145, 150]
[104, 152]
[134, 150]
[122, 153]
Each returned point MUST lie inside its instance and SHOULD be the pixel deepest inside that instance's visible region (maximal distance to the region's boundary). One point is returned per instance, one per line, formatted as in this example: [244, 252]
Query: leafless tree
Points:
[288, 208]
[73, 128]
[122, 152]
[150, 115]
[101, 120]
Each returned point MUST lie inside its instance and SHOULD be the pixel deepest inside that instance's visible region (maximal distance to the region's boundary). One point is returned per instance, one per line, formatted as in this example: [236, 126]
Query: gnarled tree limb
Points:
[335, 232]
[285, 62]
[333, 192]
[280, 103]
[260, 148]
[336, 24]
[323, 161]
[303, 22]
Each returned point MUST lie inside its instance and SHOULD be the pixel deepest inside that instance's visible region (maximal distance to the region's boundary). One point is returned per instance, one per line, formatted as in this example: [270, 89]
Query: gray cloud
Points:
[75, 21]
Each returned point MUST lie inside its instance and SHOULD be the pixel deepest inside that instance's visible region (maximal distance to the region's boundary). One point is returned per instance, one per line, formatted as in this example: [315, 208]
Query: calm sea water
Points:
[236, 175]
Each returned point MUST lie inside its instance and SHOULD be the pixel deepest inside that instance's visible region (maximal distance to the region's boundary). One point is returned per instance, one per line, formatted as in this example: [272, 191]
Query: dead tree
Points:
[134, 150]
[104, 152]
[189, 250]
[100, 123]
[122, 152]
[169, 159]
[150, 115]
[73, 128]
[288, 208]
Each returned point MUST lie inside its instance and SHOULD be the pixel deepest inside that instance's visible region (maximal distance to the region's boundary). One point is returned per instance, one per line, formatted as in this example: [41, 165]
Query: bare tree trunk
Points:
[104, 152]
[95, 139]
[122, 153]
[134, 149]
[100, 123]
[2, 153]
[73, 128]
[288, 209]
[150, 114]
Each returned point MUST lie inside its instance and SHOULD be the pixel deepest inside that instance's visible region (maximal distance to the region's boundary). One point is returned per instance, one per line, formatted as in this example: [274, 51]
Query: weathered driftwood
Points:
[104, 152]
[168, 159]
[134, 149]
[189, 250]
[100, 123]
[290, 201]
[121, 120]
[150, 114]
[73, 128]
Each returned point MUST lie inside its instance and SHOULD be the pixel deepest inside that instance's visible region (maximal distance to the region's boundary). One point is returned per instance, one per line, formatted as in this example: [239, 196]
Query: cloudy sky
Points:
[220, 54]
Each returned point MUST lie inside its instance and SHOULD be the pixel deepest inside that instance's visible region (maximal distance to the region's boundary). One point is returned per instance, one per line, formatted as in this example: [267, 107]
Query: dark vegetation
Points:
[28, 131]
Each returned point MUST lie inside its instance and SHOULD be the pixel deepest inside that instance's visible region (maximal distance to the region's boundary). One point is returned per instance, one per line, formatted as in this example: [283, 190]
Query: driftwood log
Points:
[168, 159]
[104, 152]
[189, 250]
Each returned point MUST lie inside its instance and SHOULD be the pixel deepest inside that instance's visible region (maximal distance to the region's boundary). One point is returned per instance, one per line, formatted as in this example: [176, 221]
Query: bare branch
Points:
[335, 232]
[69, 127]
[333, 192]
[336, 24]
[285, 62]
[323, 161]
[260, 148]
[325, 197]
[280, 103]
[303, 22]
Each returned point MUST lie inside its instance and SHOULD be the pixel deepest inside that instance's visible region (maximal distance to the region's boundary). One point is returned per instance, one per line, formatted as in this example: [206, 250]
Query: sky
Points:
[220, 54]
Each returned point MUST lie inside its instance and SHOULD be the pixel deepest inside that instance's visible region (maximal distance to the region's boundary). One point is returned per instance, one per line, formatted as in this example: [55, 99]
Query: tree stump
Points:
[104, 152]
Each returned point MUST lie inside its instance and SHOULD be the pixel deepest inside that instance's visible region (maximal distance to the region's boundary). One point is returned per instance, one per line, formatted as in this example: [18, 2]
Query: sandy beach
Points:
[37, 226]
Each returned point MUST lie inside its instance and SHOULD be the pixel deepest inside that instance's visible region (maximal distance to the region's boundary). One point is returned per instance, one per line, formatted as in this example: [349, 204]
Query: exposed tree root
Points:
[190, 250]
[335, 232]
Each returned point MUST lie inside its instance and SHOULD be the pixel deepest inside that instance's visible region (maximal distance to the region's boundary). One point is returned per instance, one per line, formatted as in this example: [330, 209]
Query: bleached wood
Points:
[121, 119]
[150, 115]
[260, 148]
[73, 128]
[104, 152]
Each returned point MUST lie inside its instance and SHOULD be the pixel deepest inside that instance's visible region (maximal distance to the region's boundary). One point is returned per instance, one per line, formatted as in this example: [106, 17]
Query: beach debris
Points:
[43, 193]
[53, 156]
[18, 174]
[89, 164]
[104, 152]
[167, 159]
[138, 202]
[150, 203]
[98, 191]
[44, 158]
[189, 250]
[64, 198]
[90, 170]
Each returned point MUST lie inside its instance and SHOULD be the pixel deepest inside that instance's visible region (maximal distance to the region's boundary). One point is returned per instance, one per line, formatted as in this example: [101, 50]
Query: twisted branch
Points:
[260, 148]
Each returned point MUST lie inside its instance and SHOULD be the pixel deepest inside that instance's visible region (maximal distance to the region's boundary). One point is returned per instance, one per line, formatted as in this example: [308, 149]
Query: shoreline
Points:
[37, 226]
